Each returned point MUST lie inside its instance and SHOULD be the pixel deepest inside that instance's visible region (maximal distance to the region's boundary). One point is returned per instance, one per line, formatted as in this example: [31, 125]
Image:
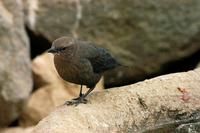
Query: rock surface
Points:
[52, 91]
[15, 66]
[17, 130]
[189, 128]
[138, 33]
[161, 102]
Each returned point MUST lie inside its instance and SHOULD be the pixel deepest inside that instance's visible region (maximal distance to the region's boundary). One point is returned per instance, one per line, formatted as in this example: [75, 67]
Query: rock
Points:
[44, 72]
[15, 66]
[189, 128]
[139, 33]
[53, 91]
[17, 130]
[162, 102]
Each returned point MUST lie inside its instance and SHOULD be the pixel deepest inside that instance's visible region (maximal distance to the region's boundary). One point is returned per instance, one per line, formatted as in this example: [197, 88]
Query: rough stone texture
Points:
[17, 130]
[53, 91]
[162, 102]
[15, 66]
[189, 128]
[140, 33]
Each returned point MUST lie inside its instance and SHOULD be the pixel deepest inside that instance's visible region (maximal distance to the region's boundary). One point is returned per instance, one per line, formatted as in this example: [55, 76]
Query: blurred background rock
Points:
[152, 37]
[15, 66]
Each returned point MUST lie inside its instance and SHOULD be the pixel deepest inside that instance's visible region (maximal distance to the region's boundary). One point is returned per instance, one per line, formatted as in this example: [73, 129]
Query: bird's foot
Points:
[76, 101]
[80, 96]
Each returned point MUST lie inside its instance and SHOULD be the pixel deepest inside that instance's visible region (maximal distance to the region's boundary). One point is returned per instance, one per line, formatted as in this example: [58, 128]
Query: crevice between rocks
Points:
[172, 126]
[185, 64]
[38, 43]
[15, 123]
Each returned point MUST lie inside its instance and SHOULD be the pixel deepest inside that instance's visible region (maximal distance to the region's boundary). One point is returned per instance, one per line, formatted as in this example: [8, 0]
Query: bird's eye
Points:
[63, 48]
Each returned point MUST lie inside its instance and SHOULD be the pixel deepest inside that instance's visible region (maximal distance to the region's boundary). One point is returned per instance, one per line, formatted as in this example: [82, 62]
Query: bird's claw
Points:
[76, 101]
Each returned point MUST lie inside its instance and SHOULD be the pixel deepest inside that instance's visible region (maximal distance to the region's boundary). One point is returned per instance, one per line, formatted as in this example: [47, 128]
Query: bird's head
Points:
[62, 46]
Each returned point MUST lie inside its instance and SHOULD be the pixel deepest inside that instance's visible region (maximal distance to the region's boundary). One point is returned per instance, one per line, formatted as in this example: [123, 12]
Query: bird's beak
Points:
[52, 50]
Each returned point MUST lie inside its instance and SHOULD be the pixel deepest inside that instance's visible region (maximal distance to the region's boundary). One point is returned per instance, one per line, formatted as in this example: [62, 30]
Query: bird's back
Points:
[100, 59]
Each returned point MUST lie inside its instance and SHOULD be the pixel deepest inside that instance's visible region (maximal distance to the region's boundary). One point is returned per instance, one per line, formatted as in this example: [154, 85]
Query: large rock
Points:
[140, 33]
[52, 91]
[15, 66]
[157, 105]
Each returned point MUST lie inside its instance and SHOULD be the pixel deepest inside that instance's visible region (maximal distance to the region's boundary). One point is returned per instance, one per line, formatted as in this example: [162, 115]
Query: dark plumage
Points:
[81, 63]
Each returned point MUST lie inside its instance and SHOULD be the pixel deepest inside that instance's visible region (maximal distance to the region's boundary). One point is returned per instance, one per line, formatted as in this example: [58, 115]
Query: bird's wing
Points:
[102, 60]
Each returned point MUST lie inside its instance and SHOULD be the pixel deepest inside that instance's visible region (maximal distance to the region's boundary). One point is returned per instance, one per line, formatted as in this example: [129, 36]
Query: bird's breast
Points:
[78, 71]
[66, 68]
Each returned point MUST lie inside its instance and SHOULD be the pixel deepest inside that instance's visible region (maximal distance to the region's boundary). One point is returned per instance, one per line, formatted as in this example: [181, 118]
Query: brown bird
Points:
[81, 63]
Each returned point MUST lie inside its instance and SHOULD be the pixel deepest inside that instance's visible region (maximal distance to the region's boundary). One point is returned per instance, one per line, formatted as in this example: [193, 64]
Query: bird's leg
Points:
[88, 92]
[80, 93]
[80, 99]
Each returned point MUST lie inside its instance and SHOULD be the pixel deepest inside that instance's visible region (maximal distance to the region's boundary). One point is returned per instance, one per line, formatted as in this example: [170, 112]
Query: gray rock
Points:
[140, 33]
[15, 71]
[189, 128]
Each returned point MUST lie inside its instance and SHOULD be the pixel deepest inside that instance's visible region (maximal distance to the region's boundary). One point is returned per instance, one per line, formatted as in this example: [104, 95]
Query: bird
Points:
[81, 62]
